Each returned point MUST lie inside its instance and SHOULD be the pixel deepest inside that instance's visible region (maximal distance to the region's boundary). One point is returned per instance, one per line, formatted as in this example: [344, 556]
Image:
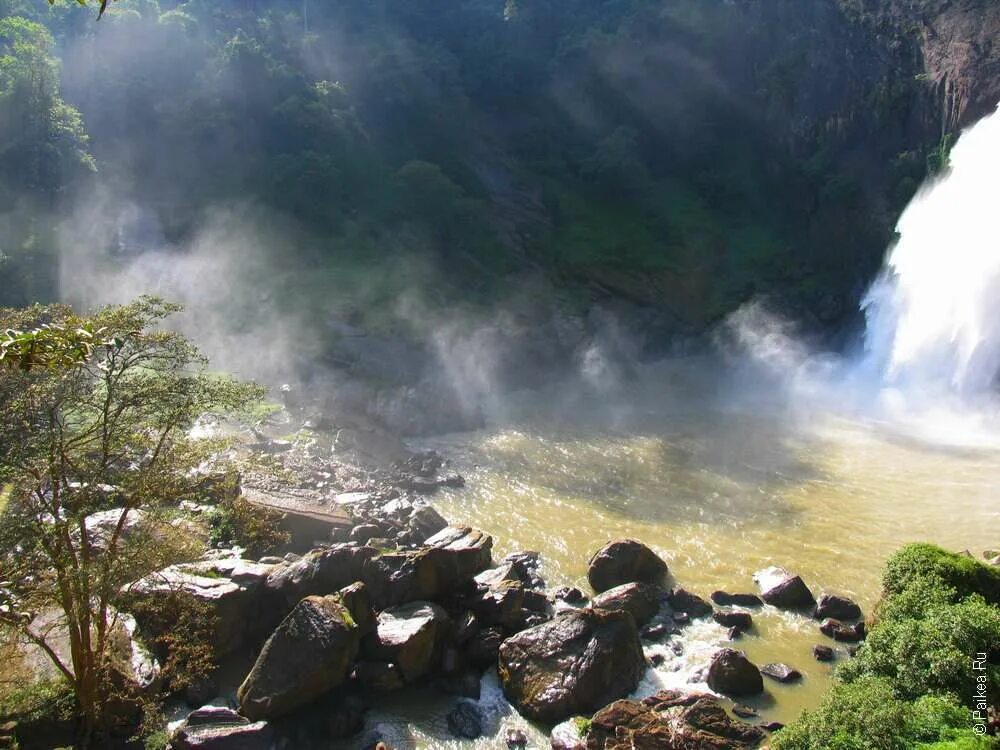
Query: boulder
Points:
[465, 721]
[575, 663]
[569, 735]
[735, 618]
[231, 588]
[424, 523]
[214, 728]
[641, 600]
[781, 673]
[356, 600]
[723, 598]
[310, 653]
[842, 632]
[318, 572]
[682, 600]
[837, 607]
[569, 594]
[823, 653]
[409, 636]
[501, 604]
[781, 589]
[670, 719]
[624, 561]
[732, 674]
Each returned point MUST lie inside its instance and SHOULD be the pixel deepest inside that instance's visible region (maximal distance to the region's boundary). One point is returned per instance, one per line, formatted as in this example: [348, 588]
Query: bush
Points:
[961, 573]
[867, 714]
[238, 521]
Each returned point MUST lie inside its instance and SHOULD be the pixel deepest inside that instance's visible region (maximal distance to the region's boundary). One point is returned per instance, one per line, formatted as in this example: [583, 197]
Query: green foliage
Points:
[867, 714]
[238, 521]
[959, 572]
[48, 700]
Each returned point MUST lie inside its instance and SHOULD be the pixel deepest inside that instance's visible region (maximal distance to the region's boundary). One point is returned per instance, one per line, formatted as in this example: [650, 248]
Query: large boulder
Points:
[231, 588]
[310, 653]
[450, 561]
[216, 728]
[410, 637]
[670, 719]
[319, 572]
[732, 674]
[641, 600]
[624, 561]
[575, 663]
[782, 589]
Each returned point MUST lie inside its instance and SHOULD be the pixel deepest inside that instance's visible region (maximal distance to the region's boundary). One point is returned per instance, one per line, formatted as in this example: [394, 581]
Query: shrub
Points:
[238, 521]
[961, 573]
[867, 714]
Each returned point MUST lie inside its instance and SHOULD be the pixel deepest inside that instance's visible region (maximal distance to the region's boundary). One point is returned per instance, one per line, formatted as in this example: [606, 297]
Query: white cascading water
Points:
[933, 315]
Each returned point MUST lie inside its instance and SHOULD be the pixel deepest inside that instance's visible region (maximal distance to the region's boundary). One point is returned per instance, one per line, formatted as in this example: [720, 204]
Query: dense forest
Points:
[683, 156]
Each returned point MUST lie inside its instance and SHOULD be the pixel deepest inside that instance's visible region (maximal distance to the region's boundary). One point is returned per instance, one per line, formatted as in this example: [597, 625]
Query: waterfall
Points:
[933, 314]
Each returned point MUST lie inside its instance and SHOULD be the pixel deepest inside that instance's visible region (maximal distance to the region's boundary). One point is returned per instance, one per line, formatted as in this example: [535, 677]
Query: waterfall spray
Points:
[933, 315]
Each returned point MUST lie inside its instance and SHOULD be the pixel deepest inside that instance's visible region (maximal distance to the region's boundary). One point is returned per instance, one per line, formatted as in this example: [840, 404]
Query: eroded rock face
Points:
[573, 664]
[624, 561]
[782, 589]
[310, 653]
[213, 728]
[410, 637]
[670, 720]
[732, 674]
[641, 600]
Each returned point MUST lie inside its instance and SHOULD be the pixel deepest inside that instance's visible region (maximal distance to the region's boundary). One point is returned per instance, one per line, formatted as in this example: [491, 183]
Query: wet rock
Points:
[682, 600]
[842, 632]
[624, 561]
[734, 633]
[773, 726]
[356, 600]
[641, 600]
[823, 653]
[837, 607]
[734, 619]
[379, 676]
[656, 632]
[425, 523]
[230, 588]
[464, 627]
[515, 738]
[409, 636]
[781, 589]
[465, 721]
[575, 663]
[723, 598]
[657, 660]
[466, 683]
[670, 720]
[309, 653]
[744, 712]
[781, 672]
[681, 618]
[732, 674]
[568, 735]
[483, 647]
[213, 728]
[569, 594]
[501, 604]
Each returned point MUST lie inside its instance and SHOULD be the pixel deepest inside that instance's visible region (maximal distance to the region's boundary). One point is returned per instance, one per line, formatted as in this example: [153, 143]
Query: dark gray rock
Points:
[641, 600]
[734, 619]
[732, 674]
[682, 600]
[723, 599]
[839, 631]
[575, 663]
[213, 728]
[837, 607]
[781, 589]
[823, 653]
[465, 721]
[781, 673]
[624, 561]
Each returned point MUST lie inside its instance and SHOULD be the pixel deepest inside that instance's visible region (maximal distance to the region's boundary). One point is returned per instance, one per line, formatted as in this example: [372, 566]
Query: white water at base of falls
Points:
[933, 315]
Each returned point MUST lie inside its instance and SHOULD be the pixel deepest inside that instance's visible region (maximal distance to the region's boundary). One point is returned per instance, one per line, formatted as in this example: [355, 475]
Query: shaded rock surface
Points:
[575, 663]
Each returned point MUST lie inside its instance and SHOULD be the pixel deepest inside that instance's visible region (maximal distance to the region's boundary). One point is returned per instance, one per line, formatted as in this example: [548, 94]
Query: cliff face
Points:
[958, 45]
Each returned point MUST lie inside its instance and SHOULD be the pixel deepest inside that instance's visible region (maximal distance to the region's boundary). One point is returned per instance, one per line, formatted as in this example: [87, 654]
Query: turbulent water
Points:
[932, 316]
[725, 465]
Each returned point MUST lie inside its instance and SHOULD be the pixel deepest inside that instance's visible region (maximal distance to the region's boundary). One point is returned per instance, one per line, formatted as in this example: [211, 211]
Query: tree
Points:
[95, 418]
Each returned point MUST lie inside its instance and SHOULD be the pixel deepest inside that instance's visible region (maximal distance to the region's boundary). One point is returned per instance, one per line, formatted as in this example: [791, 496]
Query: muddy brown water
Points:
[720, 491]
